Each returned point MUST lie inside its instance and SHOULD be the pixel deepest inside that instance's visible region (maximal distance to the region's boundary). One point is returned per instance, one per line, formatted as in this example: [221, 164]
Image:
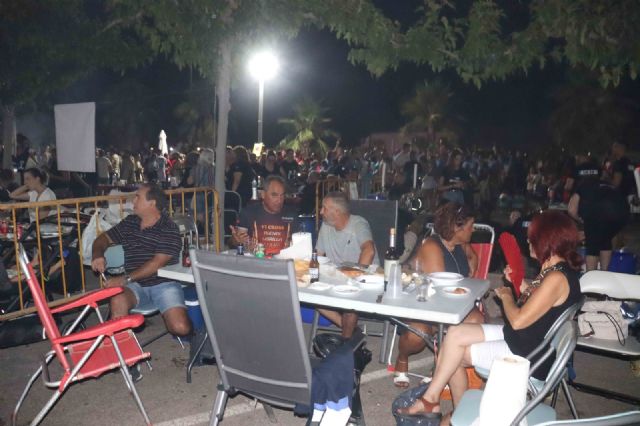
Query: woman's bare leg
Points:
[409, 344]
[452, 359]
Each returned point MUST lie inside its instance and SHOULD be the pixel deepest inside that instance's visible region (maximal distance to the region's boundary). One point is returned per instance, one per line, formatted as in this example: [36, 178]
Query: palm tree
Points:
[429, 110]
[308, 129]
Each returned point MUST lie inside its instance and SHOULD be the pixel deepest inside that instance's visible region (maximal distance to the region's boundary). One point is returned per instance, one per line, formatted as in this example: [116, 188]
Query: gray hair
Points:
[275, 178]
[340, 200]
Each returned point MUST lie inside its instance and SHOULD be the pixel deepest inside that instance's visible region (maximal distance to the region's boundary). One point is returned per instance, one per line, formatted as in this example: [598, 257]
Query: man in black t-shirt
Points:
[269, 223]
[622, 171]
[289, 166]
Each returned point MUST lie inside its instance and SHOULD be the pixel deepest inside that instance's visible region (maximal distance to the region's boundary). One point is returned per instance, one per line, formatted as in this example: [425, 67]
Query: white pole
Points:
[415, 176]
[384, 173]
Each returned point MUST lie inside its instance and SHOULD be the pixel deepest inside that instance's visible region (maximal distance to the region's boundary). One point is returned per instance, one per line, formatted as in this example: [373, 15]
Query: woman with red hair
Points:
[553, 238]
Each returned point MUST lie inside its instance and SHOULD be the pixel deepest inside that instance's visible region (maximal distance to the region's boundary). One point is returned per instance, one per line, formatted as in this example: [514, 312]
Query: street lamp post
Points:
[263, 66]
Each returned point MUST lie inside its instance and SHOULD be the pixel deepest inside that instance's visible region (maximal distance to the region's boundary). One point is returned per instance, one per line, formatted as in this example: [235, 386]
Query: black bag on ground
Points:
[21, 331]
[408, 398]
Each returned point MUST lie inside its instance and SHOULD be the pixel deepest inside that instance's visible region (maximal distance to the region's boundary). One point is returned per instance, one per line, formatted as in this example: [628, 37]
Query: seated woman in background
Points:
[553, 238]
[448, 250]
[34, 189]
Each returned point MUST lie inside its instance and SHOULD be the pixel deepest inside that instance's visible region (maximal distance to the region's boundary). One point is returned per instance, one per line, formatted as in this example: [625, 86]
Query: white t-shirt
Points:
[344, 246]
[46, 195]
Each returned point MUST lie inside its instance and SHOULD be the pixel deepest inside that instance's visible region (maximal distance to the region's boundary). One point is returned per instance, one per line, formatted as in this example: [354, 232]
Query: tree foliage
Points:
[589, 118]
[48, 44]
[489, 40]
[308, 129]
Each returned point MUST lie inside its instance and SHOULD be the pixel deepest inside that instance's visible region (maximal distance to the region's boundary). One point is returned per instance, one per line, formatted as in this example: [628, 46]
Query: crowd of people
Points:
[457, 186]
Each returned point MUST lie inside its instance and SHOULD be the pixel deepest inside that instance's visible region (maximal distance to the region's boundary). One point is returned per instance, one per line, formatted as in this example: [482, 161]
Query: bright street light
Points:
[262, 66]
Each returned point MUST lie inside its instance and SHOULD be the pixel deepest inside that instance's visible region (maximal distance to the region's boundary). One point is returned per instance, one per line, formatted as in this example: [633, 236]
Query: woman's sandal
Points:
[428, 408]
[401, 379]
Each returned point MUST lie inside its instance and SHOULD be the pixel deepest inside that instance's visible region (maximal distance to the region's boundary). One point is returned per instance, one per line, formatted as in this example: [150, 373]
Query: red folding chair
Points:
[483, 250]
[86, 353]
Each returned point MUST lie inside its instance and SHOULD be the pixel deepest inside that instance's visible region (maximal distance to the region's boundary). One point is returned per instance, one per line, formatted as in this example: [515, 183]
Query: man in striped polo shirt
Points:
[150, 240]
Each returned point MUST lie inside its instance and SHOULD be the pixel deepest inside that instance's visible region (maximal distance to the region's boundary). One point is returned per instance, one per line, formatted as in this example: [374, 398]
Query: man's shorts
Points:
[163, 296]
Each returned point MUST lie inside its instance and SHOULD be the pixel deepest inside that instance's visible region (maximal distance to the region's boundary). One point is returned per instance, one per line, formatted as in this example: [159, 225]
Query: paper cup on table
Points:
[505, 393]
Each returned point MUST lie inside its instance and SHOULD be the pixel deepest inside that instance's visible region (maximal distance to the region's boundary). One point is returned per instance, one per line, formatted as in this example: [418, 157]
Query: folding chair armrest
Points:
[105, 328]
[90, 298]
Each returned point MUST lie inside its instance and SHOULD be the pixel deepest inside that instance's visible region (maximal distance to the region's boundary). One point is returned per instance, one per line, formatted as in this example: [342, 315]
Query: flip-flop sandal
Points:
[401, 379]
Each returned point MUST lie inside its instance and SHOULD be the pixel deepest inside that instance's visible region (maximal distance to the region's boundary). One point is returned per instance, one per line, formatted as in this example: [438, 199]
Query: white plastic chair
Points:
[618, 286]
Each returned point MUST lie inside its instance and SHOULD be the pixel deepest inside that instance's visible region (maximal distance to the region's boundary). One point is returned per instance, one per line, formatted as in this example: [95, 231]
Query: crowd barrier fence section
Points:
[63, 229]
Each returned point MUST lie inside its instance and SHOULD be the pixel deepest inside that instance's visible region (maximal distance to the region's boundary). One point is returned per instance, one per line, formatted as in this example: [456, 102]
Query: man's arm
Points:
[367, 252]
[148, 269]
[100, 245]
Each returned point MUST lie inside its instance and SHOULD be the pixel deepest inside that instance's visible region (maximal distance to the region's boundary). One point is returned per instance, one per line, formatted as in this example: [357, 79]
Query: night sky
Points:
[512, 113]
[315, 65]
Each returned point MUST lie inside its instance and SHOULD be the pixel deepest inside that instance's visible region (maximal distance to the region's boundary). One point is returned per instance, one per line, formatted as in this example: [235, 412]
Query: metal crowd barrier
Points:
[68, 218]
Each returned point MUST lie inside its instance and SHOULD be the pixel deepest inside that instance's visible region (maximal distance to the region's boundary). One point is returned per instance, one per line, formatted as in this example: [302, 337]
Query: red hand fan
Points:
[513, 257]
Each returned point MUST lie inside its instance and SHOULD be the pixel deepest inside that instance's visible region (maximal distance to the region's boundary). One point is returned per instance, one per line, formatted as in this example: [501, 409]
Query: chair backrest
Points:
[568, 315]
[44, 313]
[629, 418]
[252, 315]
[613, 284]
[187, 226]
[381, 215]
[484, 250]
[562, 344]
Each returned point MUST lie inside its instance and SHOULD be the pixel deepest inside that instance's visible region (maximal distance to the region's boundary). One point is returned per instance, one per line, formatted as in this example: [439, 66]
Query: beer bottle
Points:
[314, 267]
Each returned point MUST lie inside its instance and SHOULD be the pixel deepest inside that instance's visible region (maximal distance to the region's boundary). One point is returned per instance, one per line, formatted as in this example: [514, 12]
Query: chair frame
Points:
[613, 285]
[628, 418]
[63, 344]
[568, 315]
[563, 344]
[227, 387]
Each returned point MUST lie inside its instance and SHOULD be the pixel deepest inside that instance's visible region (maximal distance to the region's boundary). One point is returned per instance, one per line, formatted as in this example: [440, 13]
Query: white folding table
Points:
[439, 308]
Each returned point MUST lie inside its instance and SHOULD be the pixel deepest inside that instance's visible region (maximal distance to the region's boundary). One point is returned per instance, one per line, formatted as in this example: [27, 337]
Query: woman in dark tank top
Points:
[449, 250]
[553, 238]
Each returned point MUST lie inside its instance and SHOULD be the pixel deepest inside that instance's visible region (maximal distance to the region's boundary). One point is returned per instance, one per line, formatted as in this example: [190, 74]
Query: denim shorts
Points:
[163, 296]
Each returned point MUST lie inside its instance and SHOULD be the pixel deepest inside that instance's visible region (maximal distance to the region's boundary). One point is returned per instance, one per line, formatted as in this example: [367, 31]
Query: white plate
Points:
[370, 282]
[444, 278]
[319, 286]
[449, 291]
[346, 290]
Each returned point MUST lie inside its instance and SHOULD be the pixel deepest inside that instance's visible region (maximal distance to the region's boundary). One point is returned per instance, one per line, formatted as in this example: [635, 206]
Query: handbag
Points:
[603, 320]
